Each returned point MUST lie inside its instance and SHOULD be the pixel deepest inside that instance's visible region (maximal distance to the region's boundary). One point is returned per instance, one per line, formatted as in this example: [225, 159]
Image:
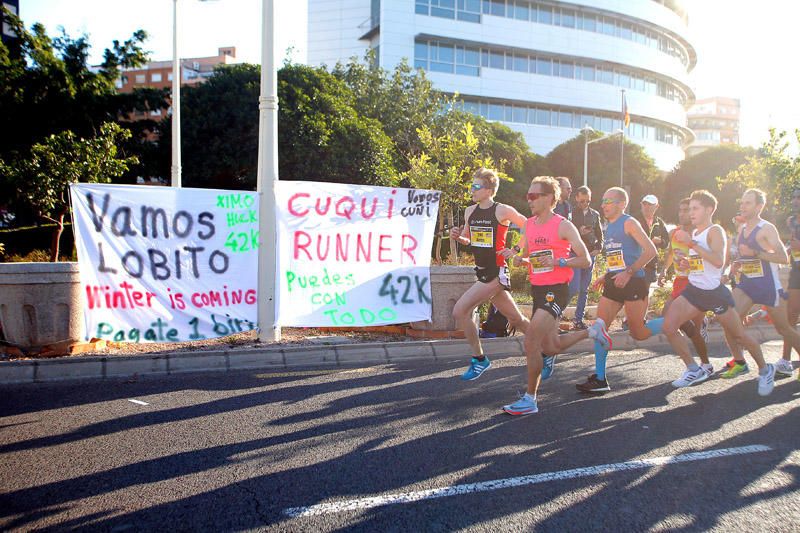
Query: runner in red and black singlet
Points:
[485, 232]
[487, 238]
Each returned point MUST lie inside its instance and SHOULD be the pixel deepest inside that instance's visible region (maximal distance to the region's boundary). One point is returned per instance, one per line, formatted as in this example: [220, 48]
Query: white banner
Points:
[161, 264]
[352, 255]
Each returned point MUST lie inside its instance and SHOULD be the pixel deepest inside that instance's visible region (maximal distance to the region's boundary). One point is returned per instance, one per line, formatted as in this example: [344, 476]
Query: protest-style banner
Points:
[354, 255]
[165, 264]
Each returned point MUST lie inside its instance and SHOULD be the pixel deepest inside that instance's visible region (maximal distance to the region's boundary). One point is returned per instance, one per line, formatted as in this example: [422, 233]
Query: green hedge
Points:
[22, 241]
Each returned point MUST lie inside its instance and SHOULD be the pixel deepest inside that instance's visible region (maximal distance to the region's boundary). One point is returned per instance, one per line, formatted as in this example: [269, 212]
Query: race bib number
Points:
[696, 265]
[481, 237]
[539, 262]
[615, 261]
[796, 256]
[752, 268]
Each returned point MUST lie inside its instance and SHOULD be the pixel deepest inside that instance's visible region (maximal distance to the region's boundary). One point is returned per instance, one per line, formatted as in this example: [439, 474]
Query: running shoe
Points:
[579, 324]
[767, 382]
[549, 366]
[784, 367]
[736, 370]
[704, 329]
[524, 406]
[476, 368]
[598, 332]
[730, 363]
[593, 384]
[690, 377]
[708, 369]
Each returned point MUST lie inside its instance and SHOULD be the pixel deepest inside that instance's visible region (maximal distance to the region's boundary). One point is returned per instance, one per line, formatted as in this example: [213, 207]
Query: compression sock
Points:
[600, 354]
[654, 325]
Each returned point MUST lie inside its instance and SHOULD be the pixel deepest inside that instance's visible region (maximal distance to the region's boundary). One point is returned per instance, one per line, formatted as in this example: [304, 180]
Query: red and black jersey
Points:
[487, 237]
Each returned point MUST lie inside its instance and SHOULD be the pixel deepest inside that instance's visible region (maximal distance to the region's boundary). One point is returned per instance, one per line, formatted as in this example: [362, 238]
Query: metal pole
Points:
[267, 178]
[176, 101]
[586, 156]
[622, 139]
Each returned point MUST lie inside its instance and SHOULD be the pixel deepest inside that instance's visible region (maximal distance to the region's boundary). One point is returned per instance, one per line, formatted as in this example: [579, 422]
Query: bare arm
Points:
[506, 213]
[770, 240]
[461, 234]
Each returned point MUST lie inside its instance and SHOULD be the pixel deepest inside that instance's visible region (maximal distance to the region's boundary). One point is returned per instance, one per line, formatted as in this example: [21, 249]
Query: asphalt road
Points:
[403, 448]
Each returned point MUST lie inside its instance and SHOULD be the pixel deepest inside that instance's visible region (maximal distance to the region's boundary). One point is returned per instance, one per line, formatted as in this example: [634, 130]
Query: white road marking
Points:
[469, 488]
[138, 402]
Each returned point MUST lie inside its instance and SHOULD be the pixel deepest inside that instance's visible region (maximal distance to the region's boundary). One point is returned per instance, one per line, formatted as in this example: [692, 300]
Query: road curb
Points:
[226, 360]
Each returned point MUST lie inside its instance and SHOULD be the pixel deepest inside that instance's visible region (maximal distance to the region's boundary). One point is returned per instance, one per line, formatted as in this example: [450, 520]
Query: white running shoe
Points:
[767, 382]
[690, 377]
[708, 369]
[784, 367]
[598, 332]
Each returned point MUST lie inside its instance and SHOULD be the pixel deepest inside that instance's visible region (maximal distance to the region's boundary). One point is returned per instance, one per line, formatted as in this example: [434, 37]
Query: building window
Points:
[439, 56]
[155, 77]
[140, 78]
[470, 10]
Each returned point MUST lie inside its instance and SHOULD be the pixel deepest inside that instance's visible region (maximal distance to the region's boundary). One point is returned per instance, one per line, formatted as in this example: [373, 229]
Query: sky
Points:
[742, 47]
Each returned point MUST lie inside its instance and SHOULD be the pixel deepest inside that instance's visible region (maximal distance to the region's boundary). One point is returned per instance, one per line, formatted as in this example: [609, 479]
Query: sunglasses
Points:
[476, 187]
[607, 201]
[532, 196]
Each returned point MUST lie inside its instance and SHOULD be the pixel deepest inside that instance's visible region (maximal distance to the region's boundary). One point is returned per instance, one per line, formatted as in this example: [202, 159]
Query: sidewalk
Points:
[226, 360]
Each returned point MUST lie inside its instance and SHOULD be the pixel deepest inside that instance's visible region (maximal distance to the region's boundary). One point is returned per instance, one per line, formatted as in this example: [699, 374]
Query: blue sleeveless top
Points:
[616, 241]
[764, 277]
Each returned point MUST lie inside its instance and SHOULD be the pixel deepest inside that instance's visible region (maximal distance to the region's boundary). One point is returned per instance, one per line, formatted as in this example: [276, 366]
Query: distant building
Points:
[8, 36]
[545, 68]
[158, 75]
[714, 121]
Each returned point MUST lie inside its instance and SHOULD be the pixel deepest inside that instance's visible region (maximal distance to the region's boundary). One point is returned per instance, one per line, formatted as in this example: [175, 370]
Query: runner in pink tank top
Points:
[548, 239]
[545, 245]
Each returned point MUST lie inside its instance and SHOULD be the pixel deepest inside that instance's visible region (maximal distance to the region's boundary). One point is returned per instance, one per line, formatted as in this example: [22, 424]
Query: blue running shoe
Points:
[524, 406]
[549, 366]
[476, 368]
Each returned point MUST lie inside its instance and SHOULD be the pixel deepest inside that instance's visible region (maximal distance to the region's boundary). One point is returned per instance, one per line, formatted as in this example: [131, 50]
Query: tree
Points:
[446, 163]
[49, 88]
[508, 148]
[219, 130]
[771, 169]
[321, 136]
[403, 101]
[701, 171]
[640, 172]
[41, 178]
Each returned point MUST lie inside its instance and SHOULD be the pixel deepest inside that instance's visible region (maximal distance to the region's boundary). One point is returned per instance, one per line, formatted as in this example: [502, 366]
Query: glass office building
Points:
[543, 68]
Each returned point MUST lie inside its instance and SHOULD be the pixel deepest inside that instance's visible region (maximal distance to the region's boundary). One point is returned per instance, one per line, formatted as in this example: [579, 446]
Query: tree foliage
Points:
[47, 87]
[321, 137]
[41, 179]
[640, 174]
[403, 101]
[772, 169]
[446, 163]
[702, 171]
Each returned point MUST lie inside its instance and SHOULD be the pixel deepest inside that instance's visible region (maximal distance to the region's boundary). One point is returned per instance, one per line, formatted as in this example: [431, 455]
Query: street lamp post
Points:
[587, 130]
[176, 101]
[267, 178]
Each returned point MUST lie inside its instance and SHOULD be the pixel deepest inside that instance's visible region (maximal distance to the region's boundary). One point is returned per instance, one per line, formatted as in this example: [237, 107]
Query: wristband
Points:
[562, 262]
[629, 270]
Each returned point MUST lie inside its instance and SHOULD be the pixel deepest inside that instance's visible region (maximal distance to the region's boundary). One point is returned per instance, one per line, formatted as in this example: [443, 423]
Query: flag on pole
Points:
[626, 117]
